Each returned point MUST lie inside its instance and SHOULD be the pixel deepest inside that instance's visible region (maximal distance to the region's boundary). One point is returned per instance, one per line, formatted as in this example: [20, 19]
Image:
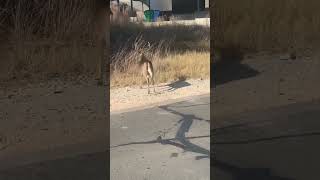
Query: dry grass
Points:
[192, 37]
[177, 52]
[191, 64]
[41, 38]
[266, 24]
[173, 67]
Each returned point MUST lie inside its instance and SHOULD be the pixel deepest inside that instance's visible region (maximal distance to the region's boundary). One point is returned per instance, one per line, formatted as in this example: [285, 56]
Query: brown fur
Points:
[147, 71]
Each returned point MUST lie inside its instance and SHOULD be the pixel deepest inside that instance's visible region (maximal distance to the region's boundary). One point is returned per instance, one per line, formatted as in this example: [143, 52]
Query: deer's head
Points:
[141, 50]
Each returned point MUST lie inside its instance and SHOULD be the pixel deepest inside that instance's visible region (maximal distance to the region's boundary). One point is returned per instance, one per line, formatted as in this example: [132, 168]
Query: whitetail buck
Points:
[101, 35]
[146, 67]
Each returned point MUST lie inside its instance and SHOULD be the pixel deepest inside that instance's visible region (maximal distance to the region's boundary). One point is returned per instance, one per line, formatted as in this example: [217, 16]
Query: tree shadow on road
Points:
[180, 140]
[246, 173]
[281, 139]
[186, 123]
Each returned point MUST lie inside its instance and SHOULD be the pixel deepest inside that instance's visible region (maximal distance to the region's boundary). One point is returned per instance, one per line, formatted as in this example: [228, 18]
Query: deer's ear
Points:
[135, 46]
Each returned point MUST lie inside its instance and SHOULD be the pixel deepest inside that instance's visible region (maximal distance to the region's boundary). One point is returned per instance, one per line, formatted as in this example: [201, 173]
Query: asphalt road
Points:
[79, 167]
[136, 150]
[81, 161]
[277, 143]
[266, 118]
[166, 142]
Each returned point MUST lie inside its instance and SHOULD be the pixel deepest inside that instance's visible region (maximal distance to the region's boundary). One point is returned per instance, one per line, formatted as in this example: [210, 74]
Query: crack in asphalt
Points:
[159, 140]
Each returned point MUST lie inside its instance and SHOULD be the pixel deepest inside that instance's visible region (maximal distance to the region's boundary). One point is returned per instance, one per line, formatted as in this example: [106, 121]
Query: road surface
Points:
[266, 118]
[166, 142]
[79, 167]
[278, 143]
[136, 151]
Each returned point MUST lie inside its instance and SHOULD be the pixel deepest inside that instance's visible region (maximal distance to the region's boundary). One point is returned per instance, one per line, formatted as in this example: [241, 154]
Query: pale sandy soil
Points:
[122, 99]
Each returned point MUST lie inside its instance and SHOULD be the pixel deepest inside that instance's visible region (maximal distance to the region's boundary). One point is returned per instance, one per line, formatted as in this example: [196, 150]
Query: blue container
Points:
[156, 14]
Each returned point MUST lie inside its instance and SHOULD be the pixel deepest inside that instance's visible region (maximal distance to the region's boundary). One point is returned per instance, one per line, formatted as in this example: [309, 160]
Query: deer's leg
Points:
[141, 83]
[148, 81]
[154, 89]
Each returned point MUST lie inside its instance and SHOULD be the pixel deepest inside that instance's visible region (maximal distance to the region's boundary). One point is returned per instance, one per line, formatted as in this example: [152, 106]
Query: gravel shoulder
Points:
[132, 98]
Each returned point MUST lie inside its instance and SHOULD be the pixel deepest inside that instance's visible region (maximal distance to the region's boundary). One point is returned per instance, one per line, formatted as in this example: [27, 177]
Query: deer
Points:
[146, 67]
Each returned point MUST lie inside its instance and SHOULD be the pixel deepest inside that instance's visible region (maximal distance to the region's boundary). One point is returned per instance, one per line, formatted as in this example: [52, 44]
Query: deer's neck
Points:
[143, 59]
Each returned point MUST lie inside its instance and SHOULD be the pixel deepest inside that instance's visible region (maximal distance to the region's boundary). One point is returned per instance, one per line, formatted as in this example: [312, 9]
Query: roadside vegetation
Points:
[41, 39]
[178, 52]
[266, 25]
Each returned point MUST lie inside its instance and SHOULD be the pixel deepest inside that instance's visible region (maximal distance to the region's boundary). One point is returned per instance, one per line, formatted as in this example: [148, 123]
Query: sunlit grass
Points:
[188, 65]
